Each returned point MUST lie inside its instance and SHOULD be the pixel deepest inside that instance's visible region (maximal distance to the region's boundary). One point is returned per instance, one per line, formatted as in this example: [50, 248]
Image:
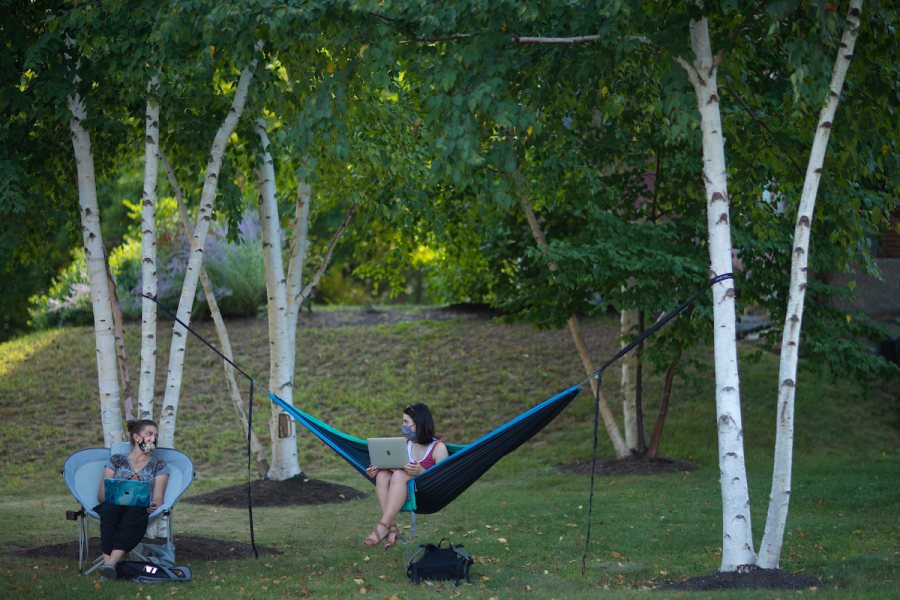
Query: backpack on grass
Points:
[141, 571]
[435, 562]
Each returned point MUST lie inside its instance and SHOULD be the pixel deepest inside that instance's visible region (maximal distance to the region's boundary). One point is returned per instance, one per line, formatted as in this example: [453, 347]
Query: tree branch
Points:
[326, 258]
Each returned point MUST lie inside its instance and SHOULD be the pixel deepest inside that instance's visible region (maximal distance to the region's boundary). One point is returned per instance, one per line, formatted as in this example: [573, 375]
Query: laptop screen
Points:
[126, 492]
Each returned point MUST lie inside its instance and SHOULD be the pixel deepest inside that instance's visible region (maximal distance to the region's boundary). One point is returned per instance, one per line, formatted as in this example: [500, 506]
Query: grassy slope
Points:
[522, 519]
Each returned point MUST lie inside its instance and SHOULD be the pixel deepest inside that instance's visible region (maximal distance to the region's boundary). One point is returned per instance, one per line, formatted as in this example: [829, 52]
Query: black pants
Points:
[121, 527]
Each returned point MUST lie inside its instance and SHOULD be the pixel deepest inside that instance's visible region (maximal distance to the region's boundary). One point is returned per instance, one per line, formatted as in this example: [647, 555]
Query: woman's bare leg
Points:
[396, 495]
[382, 483]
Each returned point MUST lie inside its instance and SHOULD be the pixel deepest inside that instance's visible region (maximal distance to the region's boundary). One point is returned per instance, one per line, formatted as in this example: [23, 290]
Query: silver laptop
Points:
[388, 453]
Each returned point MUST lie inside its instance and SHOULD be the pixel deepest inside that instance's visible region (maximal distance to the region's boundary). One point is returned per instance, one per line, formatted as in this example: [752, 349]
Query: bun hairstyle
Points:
[136, 427]
[421, 416]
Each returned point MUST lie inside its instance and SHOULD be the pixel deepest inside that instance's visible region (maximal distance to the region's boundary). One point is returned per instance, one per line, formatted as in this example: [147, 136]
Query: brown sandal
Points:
[392, 536]
[375, 537]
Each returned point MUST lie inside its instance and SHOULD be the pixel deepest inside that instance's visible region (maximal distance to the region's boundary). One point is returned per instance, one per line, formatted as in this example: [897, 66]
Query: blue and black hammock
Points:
[438, 486]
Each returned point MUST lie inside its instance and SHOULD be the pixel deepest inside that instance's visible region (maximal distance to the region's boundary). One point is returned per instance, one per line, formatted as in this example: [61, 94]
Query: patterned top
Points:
[155, 467]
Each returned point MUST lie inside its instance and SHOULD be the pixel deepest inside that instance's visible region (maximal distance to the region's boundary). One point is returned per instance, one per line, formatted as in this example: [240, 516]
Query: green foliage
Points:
[68, 302]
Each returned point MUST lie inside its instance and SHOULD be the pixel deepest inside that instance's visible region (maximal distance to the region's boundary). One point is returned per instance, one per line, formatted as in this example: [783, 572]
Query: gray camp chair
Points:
[82, 472]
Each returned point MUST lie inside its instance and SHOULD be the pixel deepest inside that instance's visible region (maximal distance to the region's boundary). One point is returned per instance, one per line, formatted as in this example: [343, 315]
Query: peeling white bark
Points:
[284, 464]
[169, 408]
[737, 535]
[147, 383]
[262, 464]
[104, 335]
[780, 495]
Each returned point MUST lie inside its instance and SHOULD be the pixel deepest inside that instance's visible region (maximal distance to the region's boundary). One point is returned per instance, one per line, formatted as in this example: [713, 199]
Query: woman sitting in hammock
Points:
[425, 451]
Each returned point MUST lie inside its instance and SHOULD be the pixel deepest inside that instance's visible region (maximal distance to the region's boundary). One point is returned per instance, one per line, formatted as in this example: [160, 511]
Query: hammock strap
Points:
[253, 383]
[598, 374]
[587, 535]
[250, 472]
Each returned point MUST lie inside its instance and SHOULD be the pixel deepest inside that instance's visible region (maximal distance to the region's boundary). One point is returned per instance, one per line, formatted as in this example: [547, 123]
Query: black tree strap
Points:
[598, 375]
[253, 383]
[250, 471]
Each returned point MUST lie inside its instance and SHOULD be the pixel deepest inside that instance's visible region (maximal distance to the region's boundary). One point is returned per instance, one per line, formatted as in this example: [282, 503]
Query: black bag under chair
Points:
[141, 571]
[436, 562]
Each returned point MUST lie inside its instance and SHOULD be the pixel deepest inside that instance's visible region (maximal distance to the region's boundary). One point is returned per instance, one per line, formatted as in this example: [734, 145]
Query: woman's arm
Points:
[440, 452]
[159, 492]
[107, 472]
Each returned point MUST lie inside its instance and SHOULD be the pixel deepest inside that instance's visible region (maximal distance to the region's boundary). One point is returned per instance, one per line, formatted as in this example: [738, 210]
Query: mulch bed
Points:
[628, 466]
[187, 548]
[297, 490]
[752, 579]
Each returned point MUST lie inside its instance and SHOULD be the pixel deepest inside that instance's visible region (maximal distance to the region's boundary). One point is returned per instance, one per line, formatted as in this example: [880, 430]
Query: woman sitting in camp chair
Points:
[425, 451]
[122, 527]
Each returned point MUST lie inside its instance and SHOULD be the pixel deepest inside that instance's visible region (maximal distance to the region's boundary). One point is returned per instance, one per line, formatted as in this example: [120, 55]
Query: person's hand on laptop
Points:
[372, 471]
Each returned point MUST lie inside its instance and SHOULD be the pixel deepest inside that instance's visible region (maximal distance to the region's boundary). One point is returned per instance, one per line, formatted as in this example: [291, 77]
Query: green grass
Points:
[524, 520]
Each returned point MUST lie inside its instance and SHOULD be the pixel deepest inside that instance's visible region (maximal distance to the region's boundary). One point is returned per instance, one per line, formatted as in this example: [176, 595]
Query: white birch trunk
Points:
[780, 495]
[297, 258]
[169, 408]
[104, 336]
[147, 382]
[629, 324]
[284, 464]
[262, 464]
[737, 536]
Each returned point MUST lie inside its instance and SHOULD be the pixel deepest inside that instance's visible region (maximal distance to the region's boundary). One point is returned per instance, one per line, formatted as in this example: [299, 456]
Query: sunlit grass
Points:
[524, 520]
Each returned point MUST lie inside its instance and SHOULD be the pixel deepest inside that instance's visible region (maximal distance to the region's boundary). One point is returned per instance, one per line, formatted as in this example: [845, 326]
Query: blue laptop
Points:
[126, 492]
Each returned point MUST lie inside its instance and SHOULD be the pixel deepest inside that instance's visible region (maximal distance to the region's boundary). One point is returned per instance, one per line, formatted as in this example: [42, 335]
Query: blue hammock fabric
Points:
[434, 489]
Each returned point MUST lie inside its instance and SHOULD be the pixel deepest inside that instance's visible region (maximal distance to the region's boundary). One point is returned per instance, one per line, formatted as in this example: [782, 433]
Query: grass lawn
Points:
[524, 521]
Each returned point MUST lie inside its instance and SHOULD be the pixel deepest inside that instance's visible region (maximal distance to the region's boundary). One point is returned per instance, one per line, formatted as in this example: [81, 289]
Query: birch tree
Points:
[172, 395]
[284, 464]
[104, 335]
[148, 254]
[737, 532]
[779, 497]
[235, 390]
[285, 295]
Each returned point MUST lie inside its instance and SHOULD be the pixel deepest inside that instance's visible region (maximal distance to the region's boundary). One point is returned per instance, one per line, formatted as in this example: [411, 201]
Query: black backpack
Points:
[141, 571]
[434, 562]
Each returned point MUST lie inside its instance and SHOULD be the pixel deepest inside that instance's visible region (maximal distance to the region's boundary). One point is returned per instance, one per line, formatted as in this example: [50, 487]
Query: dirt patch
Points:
[752, 579]
[187, 548]
[628, 466]
[297, 490]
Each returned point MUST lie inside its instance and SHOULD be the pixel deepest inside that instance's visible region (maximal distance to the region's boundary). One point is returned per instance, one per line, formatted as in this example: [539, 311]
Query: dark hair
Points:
[136, 427]
[421, 416]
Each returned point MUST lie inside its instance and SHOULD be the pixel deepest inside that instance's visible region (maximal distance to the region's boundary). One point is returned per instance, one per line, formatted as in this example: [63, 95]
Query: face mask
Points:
[147, 446]
[408, 432]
